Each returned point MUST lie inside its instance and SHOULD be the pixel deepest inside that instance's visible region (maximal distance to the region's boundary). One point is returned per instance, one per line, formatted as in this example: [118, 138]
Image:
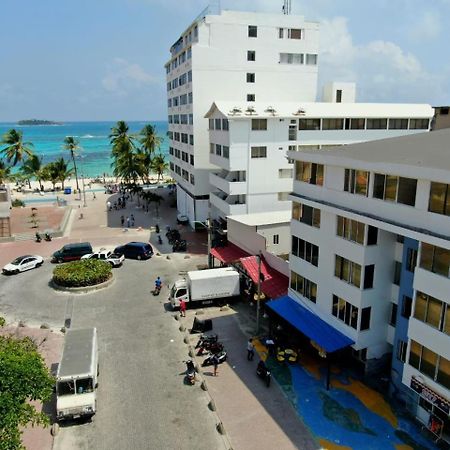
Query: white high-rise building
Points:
[226, 55]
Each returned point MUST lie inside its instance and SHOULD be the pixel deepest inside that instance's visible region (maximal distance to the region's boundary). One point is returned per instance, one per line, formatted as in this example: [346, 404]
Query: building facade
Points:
[249, 143]
[371, 256]
[226, 54]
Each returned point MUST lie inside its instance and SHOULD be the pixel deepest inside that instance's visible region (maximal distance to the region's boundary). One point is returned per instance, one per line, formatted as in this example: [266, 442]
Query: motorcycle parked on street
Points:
[213, 348]
[221, 357]
[190, 372]
[38, 237]
[207, 338]
[179, 245]
[48, 237]
[263, 372]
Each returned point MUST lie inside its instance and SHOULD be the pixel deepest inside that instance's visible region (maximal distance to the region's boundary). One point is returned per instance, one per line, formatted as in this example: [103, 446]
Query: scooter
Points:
[206, 338]
[212, 348]
[263, 372]
[157, 290]
[48, 237]
[38, 237]
[190, 372]
[221, 356]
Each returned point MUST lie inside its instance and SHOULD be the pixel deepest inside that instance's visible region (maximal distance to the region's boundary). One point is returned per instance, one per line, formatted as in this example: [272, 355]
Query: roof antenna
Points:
[286, 7]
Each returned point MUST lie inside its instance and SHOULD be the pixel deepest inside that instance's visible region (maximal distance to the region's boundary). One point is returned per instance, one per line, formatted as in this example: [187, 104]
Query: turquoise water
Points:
[95, 157]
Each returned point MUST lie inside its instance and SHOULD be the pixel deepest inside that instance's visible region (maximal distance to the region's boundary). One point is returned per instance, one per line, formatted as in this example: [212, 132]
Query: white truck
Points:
[205, 287]
[107, 256]
[76, 378]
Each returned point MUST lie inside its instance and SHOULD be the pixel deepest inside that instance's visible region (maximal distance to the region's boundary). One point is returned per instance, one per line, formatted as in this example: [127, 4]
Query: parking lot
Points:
[142, 399]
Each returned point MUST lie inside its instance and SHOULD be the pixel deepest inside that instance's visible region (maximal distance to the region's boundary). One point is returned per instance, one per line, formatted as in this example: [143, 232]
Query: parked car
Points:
[23, 263]
[71, 252]
[107, 256]
[135, 250]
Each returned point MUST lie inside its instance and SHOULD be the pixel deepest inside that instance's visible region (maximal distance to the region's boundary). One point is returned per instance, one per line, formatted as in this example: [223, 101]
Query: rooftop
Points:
[264, 218]
[299, 110]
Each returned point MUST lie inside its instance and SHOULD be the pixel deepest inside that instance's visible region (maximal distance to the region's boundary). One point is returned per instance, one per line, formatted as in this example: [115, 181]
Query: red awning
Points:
[228, 254]
[275, 284]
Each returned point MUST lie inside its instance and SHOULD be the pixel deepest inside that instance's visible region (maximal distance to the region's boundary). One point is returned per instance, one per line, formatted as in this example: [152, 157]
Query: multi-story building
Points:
[228, 54]
[441, 117]
[249, 143]
[5, 212]
[371, 257]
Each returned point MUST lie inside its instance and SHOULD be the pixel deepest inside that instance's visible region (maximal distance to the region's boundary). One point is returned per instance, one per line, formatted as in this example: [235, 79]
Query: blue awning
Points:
[309, 324]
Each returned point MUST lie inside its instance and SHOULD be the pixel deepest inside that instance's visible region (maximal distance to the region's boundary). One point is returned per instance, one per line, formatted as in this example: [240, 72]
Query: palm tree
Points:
[62, 170]
[5, 171]
[149, 139]
[72, 144]
[15, 149]
[125, 164]
[159, 165]
[32, 167]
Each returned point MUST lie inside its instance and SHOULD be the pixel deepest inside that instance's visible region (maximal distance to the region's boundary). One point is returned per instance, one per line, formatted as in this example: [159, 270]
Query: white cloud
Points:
[122, 76]
[428, 26]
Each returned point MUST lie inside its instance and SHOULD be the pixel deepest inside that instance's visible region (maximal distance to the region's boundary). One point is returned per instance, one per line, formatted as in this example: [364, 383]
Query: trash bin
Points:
[67, 190]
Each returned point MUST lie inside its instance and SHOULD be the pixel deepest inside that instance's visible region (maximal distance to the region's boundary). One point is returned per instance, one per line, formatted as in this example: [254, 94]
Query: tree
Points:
[5, 171]
[159, 165]
[125, 164]
[23, 378]
[72, 144]
[32, 167]
[15, 149]
[57, 171]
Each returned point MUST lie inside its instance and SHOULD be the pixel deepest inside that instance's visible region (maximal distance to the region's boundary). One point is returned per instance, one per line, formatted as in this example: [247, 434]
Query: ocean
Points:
[95, 154]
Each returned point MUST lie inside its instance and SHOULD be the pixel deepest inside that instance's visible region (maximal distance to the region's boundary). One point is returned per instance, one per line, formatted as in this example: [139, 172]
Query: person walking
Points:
[122, 220]
[215, 361]
[108, 205]
[250, 350]
[182, 308]
[128, 222]
[132, 220]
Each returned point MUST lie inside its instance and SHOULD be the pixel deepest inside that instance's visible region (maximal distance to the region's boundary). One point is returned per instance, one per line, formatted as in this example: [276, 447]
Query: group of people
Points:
[129, 220]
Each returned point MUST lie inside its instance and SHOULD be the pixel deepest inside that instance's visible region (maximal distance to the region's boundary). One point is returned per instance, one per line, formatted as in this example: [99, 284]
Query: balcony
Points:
[228, 204]
[232, 183]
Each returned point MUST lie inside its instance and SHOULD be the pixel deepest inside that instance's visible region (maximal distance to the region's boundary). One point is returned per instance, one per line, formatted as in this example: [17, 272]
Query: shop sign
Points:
[430, 395]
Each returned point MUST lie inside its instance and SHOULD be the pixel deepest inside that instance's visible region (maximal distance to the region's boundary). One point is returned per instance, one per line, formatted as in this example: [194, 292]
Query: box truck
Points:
[206, 287]
[76, 378]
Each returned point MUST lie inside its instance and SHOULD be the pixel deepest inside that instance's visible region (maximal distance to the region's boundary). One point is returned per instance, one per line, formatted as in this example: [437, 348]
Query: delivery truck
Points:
[206, 287]
[76, 378]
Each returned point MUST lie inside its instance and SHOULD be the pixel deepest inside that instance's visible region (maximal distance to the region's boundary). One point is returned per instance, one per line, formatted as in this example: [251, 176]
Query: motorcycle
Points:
[207, 338]
[263, 372]
[212, 348]
[172, 235]
[48, 237]
[179, 246]
[221, 357]
[190, 372]
[38, 237]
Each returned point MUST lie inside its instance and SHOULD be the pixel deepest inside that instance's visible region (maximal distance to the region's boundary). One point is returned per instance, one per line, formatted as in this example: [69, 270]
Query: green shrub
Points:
[86, 272]
[2, 321]
[16, 203]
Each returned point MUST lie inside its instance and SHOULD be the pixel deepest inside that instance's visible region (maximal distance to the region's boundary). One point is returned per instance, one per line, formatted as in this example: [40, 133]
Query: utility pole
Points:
[258, 300]
[208, 229]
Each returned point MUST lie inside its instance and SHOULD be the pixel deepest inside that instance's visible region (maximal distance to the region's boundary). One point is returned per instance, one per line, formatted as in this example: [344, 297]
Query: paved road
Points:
[142, 400]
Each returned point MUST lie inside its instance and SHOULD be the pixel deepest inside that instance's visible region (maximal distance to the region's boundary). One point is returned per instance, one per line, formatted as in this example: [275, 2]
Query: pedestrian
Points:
[250, 350]
[132, 220]
[182, 308]
[94, 196]
[108, 205]
[215, 361]
[158, 285]
[122, 220]
[128, 222]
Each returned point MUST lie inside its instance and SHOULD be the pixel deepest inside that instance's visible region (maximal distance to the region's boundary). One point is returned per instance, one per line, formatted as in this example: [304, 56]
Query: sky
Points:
[76, 60]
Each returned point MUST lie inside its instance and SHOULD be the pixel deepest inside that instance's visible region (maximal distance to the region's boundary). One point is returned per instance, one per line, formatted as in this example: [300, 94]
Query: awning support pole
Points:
[328, 373]
[258, 301]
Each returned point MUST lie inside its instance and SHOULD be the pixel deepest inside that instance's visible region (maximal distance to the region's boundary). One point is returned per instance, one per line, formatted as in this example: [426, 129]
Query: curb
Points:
[82, 290]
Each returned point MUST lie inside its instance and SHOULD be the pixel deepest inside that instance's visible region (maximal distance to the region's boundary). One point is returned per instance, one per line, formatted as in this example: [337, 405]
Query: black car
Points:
[135, 250]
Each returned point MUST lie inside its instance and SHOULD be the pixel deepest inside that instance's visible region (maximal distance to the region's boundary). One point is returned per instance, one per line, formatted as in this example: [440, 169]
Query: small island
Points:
[37, 122]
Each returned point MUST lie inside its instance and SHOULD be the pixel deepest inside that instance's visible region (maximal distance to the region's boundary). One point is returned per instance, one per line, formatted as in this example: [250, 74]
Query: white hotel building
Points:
[371, 257]
[227, 54]
[250, 143]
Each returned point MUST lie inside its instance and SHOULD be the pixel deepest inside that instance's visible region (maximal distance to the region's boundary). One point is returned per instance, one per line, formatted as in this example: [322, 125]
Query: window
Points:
[285, 173]
[305, 250]
[433, 312]
[191, 119]
[184, 138]
[398, 124]
[259, 152]
[306, 214]
[402, 346]
[259, 124]
[397, 272]
[292, 134]
[225, 125]
[226, 151]
[351, 230]
[311, 60]
[191, 161]
[250, 97]
[332, 124]
[376, 124]
[190, 97]
[283, 196]
[192, 179]
[309, 124]
[211, 124]
[393, 316]
[411, 259]
[339, 96]
[175, 101]
[439, 200]
[348, 271]
[169, 102]
[356, 182]
[435, 259]
[372, 235]
[250, 77]
[211, 148]
[218, 124]
[365, 318]
[291, 58]
[183, 99]
[357, 124]
[418, 124]
[183, 119]
[369, 271]
[303, 286]
[191, 139]
[345, 311]
[251, 55]
[252, 31]
[406, 306]
[281, 33]
[189, 74]
[218, 150]
[276, 238]
[294, 33]
[395, 189]
[307, 172]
